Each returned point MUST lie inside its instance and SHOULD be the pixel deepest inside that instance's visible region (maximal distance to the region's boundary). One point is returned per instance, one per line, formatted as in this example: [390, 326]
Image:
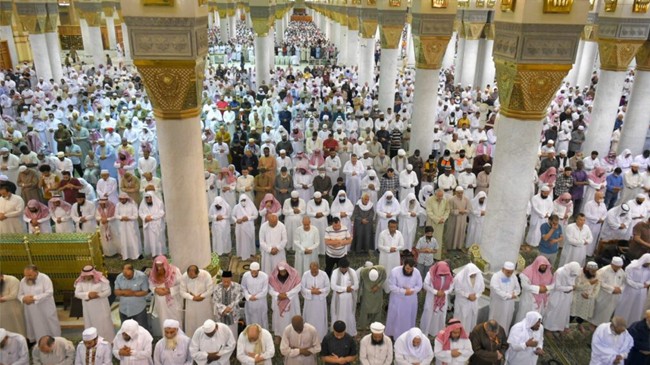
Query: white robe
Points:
[223, 342]
[107, 188]
[66, 225]
[256, 310]
[179, 356]
[244, 346]
[343, 304]
[559, 301]
[140, 345]
[383, 209]
[475, 225]
[389, 259]
[103, 353]
[611, 227]
[280, 322]
[163, 308]
[606, 345]
[245, 231]
[15, 351]
[40, 317]
[272, 237]
[320, 223]
[407, 183]
[314, 309]
[433, 322]
[304, 185]
[346, 207]
[13, 209]
[502, 304]
[575, 244]
[468, 182]
[88, 212]
[96, 312]
[632, 301]
[221, 238]
[153, 231]
[196, 312]
[44, 225]
[518, 353]
[464, 309]
[607, 301]
[129, 231]
[463, 345]
[293, 220]
[594, 212]
[541, 209]
[408, 220]
[353, 175]
[304, 240]
[527, 301]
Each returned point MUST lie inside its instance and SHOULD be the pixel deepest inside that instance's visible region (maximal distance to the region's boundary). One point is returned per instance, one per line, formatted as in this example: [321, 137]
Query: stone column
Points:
[430, 45]
[616, 53]
[391, 23]
[92, 11]
[222, 9]
[343, 35]
[172, 66]
[353, 35]
[487, 76]
[636, 124]
[572, 77]
[33, 17]
[53, 44]
[6, 31]
[108, 8]
[473, 24]
[450, 52]
[126, 43]
[410, 48]
[528, 78]
[367, 31]
[262, 17]
[232, 22]
[588, 57]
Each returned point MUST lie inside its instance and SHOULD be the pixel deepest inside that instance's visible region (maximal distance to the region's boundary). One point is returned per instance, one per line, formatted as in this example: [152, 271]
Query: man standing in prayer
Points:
[273, 239]
[37, 295]
[452, 345]
[640, 332]
[469, 286]
[387, 208]
[244, 215]
[438, 284]
[616, 224]
[293, 211]
[595, 213]
[255, 345]
[164, 283]
[93, 350]
[212, 344]
[526, 340]
[132, 287]
[503, 293]
[318, 209]
[53, 351]
[152, 214]
[306, 240]
[390, 246]
[354, 171]
[559, 301]
[630, 306]
[174, 347]
[438, 210]
[612, 284]
[376, 348]
[413, 347]
[127, 226]
[284, 286]
[337, 238]
[219, 214]
[338, 347]
[255, 287]
[132, 344]
[315, 285]
[225, 299]
[300, 343]
[489, 342]
[196, 289]
[536, 283]
[541, 209]
[363, 217]
[408, 180]
[404, 283]
[11, 210]
[107, 187]
[11, 309]
[371, 280]
[13, 348]
[93, 289]
[611, 343]
[344, 284]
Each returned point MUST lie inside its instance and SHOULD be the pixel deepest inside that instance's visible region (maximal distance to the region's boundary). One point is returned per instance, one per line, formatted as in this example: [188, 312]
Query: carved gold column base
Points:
[525, 90]
[174, 86]
[429, 51]
[643, 57]
[390, 36]
[616, 54]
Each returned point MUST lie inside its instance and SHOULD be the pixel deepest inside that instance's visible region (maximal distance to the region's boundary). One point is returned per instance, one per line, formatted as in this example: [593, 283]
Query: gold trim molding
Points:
[616, 54]
[473, 31]
[390, 36]
[643, 57]
[429, 51]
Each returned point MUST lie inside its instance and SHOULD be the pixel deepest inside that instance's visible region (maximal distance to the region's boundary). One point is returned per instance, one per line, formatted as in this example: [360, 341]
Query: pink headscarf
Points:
[564, 196]
[301, 161]
[230, 177]
[549, 176]
[90, 270]
[597, 175]
[106, 212]
[537, 278]
[127, 162]
[316, 158]
[444, 336]
[170, 275]
[65, 205]
[280, 287]
[275, 206]
[436, 273]
[42, 210]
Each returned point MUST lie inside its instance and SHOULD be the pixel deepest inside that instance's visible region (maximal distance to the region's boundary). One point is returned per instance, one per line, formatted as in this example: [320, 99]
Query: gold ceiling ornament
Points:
[616, 54]
[390, 36]
[610, 5]
[463, 3]
[439, 4]
[368, 28]
[640, 6]
[591, 4]
[429, 51]
[508, 5]
[473, 31]
[526, 90]
[480, 3]
[158, 2]
[491, 3]
[174, 86]
[643, 57]
[394, 3]
[558, 6]
[6, 16]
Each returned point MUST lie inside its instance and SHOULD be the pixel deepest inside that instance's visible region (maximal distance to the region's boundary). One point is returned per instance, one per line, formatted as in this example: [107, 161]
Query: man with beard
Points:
[36, 293]
[196, 289]
[371, 281]
[526, 340]
[52, 351]
[94, 289]
[273, 240]
[404, 282]
[318, 209]
[93, 350]
[174, 347]
[132, 344]
[300, 343]
[11, 210]
[632, 183]
[152, 214]
[503, 293]
[536, 283]
[541, 210]
[225, 299]
[354, 171]
[489, 343]
[284, 286]
[83, 214]
[212, 344]
[452, 345]
[376, 348]
[255, 287]
[126, 212]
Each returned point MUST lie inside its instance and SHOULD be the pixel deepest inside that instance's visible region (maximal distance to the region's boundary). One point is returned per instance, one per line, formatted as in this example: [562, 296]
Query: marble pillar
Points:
[388, 74]
[41, 55]
[572, 77]
[7, 33]
[97, 48]
[232, 26]
[587, 59]
[425, 102]
[110, 29]
[279, 31]
[210, 20]
[470, 55]
[367, 62]
[223, 29]
[262, 62]
[487, 76]
[635, 128]
[54, 52]
[127, 45]
[353, 47]
[85, 37]
[458, 62]
[450, 52]
[410, 49]
[343, 44]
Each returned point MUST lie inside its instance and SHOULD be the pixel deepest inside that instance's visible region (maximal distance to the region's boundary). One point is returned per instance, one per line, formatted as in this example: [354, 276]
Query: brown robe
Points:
[263, 185]
[456, 229]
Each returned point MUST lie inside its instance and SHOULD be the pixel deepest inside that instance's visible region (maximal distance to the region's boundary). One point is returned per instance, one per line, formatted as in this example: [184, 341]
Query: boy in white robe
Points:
[152, 214]
[526, 341]
[504, 290]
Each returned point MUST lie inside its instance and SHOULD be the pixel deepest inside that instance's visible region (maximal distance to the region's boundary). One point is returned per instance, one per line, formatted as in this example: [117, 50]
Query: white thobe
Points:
[140, 345]
[15, 351]
[87, 212]
[576, 240]
[154, 230]
[102, 353]
[518, 353]
[129, 231]
[245, 231]
[607, 301]
[633, 299]
[12, 208]
[220, 151]
[432, 321]
[467, 180]
[62, 353]
[389, 259]
[178, 356]
[638, 212]
[463, 345]
[632, 184]
[293, 220]
[147, 165]
[302, 241]
[464, 309]
[293, 341]
[107, 188]
[166, 308]
[222, 342]
[257, 287]
[353, 175]
[606, 345]
[447, 184]
[527, 301]
[314, 309]
[44, 225]
[370, 354]
[40, 317]
[541, 209]
[96, 312]
[383, 209]
[343, 306]
[66, 225]
[475, 225]
[270, 238]
[408, 224]
[333, 167]
[304, 185]
[196, 312]
[594, 212]
[221, 238]
[243, 183]
[244, 347]
[407, 183]
[502, 304]
[320, 223]
[281, 320]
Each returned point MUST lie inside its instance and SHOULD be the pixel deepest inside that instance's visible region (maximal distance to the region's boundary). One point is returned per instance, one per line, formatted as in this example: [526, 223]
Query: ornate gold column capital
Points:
[525, 90]
[643, 57]
[473, 31]
[429, 51]
[390, 36]
[6, 17]
[174, 86]
[262, 18]
[368, 28]
[616, 54]
[489, 31]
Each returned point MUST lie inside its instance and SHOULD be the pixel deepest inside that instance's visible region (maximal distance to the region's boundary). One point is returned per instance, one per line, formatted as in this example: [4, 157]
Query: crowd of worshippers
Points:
[206, 320]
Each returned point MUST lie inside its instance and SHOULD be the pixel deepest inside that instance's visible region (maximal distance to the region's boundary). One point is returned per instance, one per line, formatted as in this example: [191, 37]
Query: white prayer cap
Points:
[251, 139]
[171, 323]
[283, 151]
[508, 265]
[22, 168]
[401, 152]
[640, 196]
[550, 141]
[148, 194]
[255, 266]
[487, 165]
[581, 128]
[282, 267]
[60, 154]
[459, 188]
[409, 167]
[130, 327]
[634, 164]
[625, 207]
[209, 326]
[377, 327]
[4, 149]
[89, 334]
[592, 265]
[368, 264]
[317, 195]
[545, 188]
[3, 334]
[104, 172]
[617, 261]
[389, 194]
[295, 194]
[562, 152]
[373, 275]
